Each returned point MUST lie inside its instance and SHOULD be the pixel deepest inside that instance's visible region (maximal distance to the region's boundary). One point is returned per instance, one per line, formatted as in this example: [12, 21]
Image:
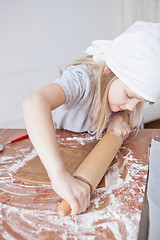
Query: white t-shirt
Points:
[74, 115]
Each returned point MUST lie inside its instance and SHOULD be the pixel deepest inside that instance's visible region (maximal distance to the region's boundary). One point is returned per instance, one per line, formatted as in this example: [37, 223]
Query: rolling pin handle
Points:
[64, 209]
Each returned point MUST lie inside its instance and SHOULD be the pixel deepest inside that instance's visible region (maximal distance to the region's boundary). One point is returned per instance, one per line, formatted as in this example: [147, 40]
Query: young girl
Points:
[106, 89]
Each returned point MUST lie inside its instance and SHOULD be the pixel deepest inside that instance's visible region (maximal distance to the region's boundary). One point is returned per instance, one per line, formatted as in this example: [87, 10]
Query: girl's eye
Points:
[128, 96]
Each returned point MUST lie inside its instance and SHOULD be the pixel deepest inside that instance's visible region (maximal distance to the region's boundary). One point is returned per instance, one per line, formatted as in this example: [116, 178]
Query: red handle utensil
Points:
[18, 139]
[12, 141]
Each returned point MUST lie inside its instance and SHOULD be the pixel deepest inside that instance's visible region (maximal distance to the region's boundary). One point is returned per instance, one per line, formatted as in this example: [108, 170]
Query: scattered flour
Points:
[29, 209]
[76, 139]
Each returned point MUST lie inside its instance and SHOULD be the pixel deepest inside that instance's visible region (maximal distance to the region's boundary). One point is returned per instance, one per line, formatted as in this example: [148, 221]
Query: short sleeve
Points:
[76, 83]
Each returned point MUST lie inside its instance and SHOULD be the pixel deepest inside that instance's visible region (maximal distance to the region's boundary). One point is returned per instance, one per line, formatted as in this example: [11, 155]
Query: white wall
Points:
[37, 37]
[42, 33]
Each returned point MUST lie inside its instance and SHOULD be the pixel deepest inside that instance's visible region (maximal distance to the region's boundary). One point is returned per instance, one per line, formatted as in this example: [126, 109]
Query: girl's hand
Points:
[120, 125]
[74, 191]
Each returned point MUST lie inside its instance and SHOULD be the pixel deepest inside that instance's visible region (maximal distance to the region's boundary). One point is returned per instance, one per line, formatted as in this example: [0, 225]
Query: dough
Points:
[34, 172]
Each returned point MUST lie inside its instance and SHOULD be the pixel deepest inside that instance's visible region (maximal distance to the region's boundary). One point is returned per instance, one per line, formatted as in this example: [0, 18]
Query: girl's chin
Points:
[114, 109]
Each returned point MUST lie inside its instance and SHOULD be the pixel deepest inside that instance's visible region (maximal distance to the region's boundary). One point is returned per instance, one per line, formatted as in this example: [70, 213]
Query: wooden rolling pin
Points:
[95, 165]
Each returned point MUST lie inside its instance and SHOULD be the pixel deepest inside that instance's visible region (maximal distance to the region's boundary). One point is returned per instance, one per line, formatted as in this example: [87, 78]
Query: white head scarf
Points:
[134, 57]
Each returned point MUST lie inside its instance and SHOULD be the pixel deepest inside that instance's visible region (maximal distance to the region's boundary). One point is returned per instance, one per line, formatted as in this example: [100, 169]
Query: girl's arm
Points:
[119, 124]
[38, 118]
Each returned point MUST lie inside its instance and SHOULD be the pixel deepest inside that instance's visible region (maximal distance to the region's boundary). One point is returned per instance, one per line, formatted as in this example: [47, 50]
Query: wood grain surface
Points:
[29, 211]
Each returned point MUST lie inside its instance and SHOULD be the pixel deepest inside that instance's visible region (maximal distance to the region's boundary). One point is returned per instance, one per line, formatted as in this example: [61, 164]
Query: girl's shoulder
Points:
[76, 82]
[82, 69]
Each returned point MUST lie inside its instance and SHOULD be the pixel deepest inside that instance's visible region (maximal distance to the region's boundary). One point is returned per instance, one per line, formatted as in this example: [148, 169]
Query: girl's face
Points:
[120, 97]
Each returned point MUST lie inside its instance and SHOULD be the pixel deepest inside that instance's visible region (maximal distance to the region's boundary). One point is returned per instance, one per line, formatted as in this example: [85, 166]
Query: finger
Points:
[74, 204]
[81, 196]
[86, 198]
[128, 131]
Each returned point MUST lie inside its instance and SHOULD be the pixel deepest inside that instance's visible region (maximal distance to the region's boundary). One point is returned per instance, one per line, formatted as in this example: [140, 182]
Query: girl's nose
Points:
[131, 104]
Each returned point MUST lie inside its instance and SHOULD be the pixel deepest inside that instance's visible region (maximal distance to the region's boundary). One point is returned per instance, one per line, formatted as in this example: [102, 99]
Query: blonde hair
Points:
[100, 111]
